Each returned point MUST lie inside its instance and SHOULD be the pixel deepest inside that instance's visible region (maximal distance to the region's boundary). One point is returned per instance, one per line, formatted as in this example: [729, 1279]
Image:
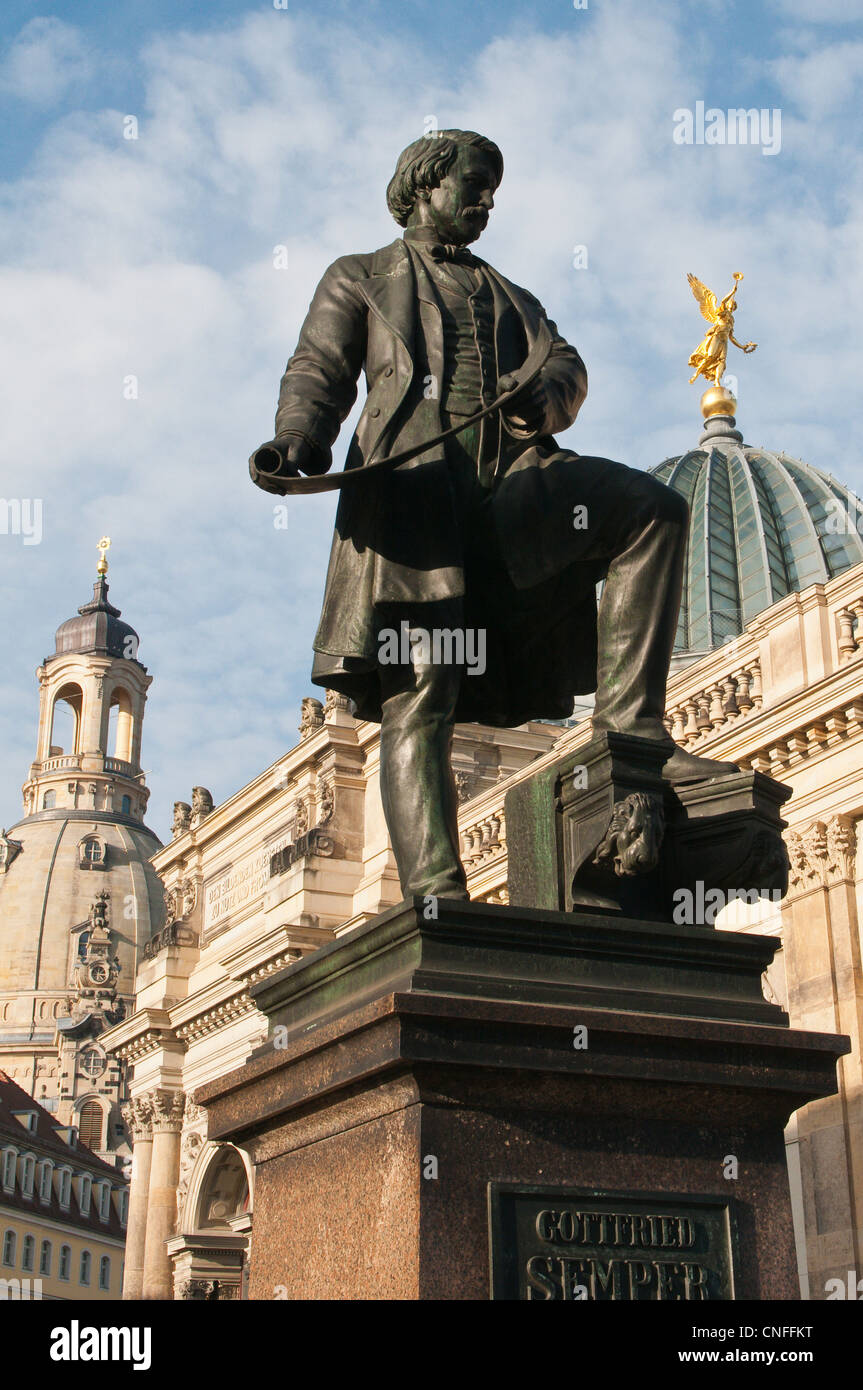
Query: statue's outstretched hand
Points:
[286, 456]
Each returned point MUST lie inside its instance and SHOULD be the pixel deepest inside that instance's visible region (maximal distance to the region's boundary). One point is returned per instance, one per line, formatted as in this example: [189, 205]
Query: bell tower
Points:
[79, 897]
[92, 692]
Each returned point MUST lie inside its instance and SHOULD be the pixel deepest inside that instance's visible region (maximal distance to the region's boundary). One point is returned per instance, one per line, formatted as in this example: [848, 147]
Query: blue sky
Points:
[258, 127]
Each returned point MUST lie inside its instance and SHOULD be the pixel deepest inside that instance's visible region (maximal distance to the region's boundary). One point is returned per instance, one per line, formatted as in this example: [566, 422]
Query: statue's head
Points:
[447, 181]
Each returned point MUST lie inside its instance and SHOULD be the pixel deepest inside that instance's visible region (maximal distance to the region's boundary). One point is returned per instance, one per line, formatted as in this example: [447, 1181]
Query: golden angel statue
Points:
[708, 359]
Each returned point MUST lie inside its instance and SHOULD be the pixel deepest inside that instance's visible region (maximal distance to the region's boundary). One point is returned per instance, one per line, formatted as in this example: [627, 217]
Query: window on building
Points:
[84, 1268]
[28, 1175]
[66, 721]
[92, 1063]
[45, 1173]
[65, 1262]
[92, 851]
[124, 1207]
[49, 801]
[90, 1124]
[65, 1187]
[45, 1258]
[10, 1164]
[85, 1187]
[105, 1272]
[104, 1201]
[28, 1254]
[126, 805]
[10, 1245]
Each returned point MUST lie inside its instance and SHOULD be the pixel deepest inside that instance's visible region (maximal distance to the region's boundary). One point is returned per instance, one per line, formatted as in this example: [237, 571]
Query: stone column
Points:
[138, 1115]
[162, 1206]
[825, 982]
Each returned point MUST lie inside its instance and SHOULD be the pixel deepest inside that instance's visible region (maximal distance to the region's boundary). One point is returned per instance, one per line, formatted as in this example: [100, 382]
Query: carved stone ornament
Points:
[202, 805]
[311, 716]
[98, 968]
[138, 1117]
[326, 800]
[180, 901]
[9, 850]
[182, 818]
[194, 1139]
[634, 836]
[822, 854]
[335, 701]
[168, 1107]
[465, 783]
[208, 1291]
[301, 818]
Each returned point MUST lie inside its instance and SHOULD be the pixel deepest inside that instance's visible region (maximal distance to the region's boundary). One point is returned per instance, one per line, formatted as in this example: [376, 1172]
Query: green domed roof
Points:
[761, 525]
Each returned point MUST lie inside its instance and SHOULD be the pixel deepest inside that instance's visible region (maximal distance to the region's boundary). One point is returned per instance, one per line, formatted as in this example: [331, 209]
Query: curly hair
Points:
[424, 164]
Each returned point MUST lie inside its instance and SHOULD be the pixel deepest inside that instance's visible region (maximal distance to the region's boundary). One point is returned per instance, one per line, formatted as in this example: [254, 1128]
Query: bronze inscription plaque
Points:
[583, 1245]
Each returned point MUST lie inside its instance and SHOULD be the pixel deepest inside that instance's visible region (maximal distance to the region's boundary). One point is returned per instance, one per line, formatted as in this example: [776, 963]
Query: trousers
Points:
[637, 531]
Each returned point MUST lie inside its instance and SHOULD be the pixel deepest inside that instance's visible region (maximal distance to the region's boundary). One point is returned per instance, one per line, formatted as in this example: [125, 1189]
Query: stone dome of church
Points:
[97, 628]
[58, 863]
[762, 525]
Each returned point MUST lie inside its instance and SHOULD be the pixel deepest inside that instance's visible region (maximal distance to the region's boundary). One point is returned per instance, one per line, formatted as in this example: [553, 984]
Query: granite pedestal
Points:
[460, 1101]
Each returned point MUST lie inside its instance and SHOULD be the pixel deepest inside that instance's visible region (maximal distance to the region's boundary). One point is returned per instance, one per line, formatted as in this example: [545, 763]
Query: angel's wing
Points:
[706, 298]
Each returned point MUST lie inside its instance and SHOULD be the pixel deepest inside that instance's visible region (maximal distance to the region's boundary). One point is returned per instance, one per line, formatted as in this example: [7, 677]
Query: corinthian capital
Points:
[168, 1107]
[138, 1115]
[822, 854]
[842, 846]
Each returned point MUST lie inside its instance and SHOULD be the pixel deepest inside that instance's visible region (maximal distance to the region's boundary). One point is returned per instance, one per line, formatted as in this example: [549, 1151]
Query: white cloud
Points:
[824, 83]
[44, 61]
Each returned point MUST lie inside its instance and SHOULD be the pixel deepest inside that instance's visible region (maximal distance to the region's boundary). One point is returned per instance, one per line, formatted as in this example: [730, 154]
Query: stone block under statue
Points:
[463, 1101]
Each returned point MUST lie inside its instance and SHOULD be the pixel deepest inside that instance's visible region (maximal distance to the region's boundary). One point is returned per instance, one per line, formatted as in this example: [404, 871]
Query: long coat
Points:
[399, 537]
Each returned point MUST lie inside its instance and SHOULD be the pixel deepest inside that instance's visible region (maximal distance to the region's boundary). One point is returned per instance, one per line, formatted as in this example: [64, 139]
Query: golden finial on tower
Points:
[103, 548]
[709, 357]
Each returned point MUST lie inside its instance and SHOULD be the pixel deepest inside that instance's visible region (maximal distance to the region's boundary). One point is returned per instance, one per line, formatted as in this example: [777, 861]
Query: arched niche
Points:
[220, 1188]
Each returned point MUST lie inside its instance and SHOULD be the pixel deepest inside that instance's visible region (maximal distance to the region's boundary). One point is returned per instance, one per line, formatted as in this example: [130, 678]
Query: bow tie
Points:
[460, 254]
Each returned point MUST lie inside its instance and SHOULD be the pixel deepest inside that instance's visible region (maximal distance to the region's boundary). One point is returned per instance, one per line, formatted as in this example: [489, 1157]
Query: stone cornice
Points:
[81, 814]
[145, 1032]
[217, 1244]
[212, 1020]
[265, 954]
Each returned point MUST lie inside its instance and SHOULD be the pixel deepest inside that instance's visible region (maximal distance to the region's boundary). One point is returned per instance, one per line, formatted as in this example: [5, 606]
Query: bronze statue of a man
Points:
[462, 583]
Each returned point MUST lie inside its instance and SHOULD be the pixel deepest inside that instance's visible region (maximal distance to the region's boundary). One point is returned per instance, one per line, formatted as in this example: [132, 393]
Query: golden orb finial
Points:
[718, 400]
[103, 548]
